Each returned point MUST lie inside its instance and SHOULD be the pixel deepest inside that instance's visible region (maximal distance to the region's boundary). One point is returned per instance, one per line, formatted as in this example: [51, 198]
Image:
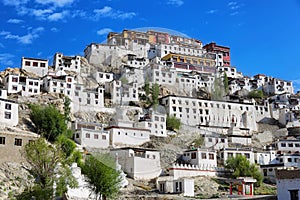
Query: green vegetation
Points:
[218, 89]
[155, 94]
[48, 167]
[102, 175]
[198, 142]
[242, 167]
[265, 189]
[48, 121]
[225, 82]
[147, 87]
[67, 108]
[173, 123]
[256, 94]
[124, 80]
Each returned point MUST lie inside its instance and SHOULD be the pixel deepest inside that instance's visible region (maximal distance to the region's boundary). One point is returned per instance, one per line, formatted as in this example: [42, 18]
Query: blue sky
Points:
[263, 34]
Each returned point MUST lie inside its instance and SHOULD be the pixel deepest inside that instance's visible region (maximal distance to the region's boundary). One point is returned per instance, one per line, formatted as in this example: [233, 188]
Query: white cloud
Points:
[2, 45]
[24, 39]
[55, 30]
[106, 11]
[14, 2]
[234, 13]
[232, 3]
[212, 11]
[6, 59]
[175, 2]
[57, 3]
[41, 14]
[14, 21]
[112, 13]
[104, 31]
[58, 16]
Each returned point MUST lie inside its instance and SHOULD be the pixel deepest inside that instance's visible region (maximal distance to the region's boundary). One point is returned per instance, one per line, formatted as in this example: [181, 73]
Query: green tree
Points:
[102, 175]
[147, 87]
[256, 94]
[48, 121]
[217, 91]
[48, 167]
[67, 108]
[225, 82]
[155, 94]
[173, 123]
[240, 167]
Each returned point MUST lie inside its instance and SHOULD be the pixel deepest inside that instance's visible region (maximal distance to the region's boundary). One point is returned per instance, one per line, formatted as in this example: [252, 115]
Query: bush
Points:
[256, 94]
[173, 123]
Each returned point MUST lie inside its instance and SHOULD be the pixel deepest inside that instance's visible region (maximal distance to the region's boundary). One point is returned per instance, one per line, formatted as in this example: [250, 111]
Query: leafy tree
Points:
[256, 94]
[225, 82]
[66, 144]
[48, 121]
[242, 167]
[147, 87]
[48, 167]
[155, 93]
[67, 108]
[173, 123]
[102, 175]
[217, 89]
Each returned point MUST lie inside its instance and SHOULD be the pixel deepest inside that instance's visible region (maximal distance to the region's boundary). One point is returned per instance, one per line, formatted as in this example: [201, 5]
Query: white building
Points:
[201, 157]
[206, 113]
[138, 163]
[155, 120]
[128, 136]
[91, 135]
[64, 84]
[169, 185]
[288, 184]
[69, 63]
[9, 112]
[265, 157]
[122, 94]
[35, 65]
[215, 140]
[27, 86]
[103, 77]
[277, 86]
[87, 99]
[233, 152]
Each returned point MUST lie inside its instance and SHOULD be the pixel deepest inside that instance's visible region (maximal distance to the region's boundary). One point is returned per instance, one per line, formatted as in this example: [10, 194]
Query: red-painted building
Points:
[213, 47]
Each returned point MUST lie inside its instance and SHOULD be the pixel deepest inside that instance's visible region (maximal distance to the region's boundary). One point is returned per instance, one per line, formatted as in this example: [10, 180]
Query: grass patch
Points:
[265, 189]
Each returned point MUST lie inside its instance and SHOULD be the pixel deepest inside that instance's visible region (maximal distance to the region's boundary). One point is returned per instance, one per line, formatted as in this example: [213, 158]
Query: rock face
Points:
[14, 178]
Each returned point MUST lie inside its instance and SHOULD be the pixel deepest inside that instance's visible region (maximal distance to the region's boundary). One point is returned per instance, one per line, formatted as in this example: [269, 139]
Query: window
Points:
[8, 106]
[294, 194]
[203, 155]
[289, 159]
[247, 155]
[211, 156]
[35, 64]
[42, 65]
[87, 135]
[27, 63]
[2, 140]
[14, 79]
[7, 115]
[96, 136]
[230, 155]
[193, 156]
[290, 144]
[18, 142]
[283, 144]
